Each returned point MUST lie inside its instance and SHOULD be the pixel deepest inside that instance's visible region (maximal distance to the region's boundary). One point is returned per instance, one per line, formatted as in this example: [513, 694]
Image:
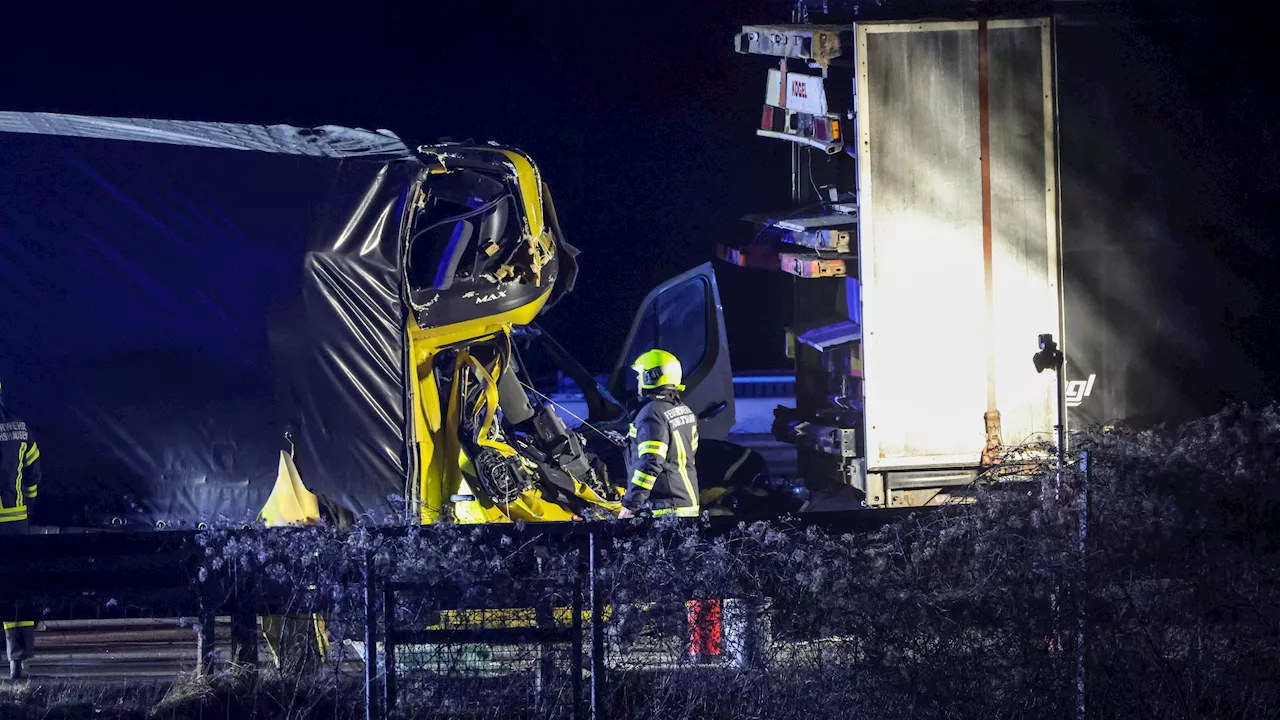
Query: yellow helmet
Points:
[658, 368]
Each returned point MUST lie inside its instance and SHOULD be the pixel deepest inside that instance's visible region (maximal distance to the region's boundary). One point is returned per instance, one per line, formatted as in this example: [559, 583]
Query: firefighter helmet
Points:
[658, 368]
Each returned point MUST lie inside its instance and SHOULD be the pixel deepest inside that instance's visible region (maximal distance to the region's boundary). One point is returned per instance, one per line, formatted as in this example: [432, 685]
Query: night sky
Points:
[642, 120]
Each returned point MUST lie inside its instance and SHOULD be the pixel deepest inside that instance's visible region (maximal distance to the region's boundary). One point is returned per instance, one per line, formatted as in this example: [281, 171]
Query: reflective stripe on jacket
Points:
[19, 469]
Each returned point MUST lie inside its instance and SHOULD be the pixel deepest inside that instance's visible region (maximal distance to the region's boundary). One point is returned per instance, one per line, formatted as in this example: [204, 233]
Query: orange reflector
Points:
[835, 129]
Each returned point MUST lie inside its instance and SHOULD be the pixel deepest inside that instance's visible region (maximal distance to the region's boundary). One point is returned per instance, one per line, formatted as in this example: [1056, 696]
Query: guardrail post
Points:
[597, 626]
[370, 640]
[389, 645]
[1083, 583]
[544, 677]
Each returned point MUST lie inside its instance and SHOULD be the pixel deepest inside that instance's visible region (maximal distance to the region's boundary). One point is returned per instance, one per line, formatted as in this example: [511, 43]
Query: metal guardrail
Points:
[166, 574]
[764, 386]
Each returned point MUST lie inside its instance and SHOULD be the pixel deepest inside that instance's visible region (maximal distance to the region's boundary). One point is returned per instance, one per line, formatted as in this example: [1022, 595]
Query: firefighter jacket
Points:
[663, 441]
[19, 468]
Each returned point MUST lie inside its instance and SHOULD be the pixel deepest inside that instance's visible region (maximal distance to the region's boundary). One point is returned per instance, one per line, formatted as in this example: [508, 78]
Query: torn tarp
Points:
[326, 141]
[176, 296]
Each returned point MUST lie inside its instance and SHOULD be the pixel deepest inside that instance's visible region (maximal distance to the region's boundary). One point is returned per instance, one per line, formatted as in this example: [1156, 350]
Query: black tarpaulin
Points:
[175, 296]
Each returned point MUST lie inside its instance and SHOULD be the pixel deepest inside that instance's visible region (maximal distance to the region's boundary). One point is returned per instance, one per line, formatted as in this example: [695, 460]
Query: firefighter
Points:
[663, 441]
[19, 480]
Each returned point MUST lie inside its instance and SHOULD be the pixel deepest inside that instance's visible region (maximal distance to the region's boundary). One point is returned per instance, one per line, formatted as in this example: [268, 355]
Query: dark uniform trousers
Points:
[19, 636]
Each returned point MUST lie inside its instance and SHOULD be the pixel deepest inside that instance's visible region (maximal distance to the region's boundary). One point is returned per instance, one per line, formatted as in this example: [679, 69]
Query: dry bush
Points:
[969, 611]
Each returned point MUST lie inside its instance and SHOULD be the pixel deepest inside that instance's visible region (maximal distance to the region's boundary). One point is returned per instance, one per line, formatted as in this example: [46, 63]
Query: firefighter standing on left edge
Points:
[664, 440]
[19, 478]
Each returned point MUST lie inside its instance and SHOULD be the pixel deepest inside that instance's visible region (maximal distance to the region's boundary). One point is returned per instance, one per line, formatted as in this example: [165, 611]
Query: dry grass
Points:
[232, 694]
[77, 700]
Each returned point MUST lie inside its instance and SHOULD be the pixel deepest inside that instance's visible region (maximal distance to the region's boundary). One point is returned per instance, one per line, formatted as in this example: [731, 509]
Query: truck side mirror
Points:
[713, 410]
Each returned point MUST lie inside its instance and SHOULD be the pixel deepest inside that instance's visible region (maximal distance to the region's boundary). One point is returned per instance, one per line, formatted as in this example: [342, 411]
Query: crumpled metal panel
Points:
[326, 141]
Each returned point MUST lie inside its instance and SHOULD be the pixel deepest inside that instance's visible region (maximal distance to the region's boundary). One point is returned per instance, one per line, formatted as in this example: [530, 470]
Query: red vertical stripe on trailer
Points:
[984, 140]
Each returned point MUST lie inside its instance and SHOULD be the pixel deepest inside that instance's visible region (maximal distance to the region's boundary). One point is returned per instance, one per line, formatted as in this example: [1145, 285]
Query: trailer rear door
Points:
[958, 234]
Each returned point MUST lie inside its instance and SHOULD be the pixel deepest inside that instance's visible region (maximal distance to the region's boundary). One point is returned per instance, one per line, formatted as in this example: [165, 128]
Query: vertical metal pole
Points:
[1062, 414]
[370, 641]
[1060, 430]
[1057, 187]
[795, 176]
[796, 186]
[579, 588]
[389, 646]
[1082, 583]
[206, 639]
[597, 628]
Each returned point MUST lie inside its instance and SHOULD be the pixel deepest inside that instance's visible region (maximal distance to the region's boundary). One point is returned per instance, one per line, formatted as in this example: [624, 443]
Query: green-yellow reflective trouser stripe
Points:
[644, 480]
[653, 447]
[19, 624]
